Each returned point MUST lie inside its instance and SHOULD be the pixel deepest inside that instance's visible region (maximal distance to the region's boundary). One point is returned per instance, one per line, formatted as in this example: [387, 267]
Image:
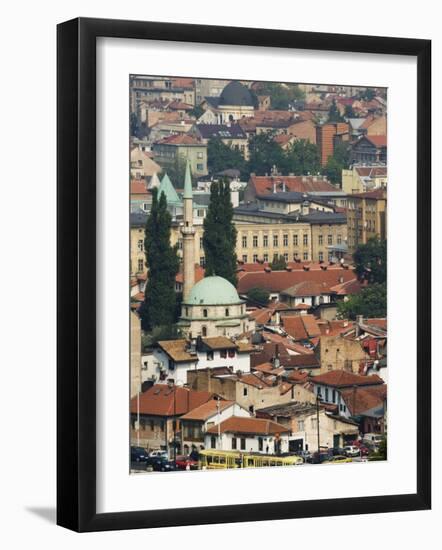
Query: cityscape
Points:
[258, 274]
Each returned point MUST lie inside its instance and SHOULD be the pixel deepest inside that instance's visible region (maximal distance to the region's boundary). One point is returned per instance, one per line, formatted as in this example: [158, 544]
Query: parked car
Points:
[186, 463]
[158, 453]
[351, 450]
[372, 439]
[138, 454]
[338, 459]
[318, 458]
[163, 464]
[304, 455]
[336, 451]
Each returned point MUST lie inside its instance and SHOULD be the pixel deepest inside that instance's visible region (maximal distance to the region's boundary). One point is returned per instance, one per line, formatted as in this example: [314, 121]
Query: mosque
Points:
[211, 307]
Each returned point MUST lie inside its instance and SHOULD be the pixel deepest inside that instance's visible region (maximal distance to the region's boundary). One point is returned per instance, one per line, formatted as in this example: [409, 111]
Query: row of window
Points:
[265, 257]
[265, 240]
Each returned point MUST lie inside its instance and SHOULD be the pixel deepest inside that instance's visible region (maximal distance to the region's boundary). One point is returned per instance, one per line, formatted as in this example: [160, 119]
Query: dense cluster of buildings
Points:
[288, 375]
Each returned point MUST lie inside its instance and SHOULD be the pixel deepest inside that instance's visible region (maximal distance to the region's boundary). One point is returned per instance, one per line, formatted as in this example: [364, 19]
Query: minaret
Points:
[188, 233]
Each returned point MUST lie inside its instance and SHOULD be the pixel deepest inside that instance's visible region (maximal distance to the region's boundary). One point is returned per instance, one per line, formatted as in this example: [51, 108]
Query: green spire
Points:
[169, 191]
[187, 182]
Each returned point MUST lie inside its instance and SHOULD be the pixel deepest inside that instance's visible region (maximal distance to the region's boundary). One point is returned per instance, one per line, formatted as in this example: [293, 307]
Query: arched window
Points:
[227, 311]
[205, 313]
[204, 330]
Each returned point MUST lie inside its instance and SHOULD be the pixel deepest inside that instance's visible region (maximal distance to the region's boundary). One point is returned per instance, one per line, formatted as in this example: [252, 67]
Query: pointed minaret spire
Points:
[188, 233]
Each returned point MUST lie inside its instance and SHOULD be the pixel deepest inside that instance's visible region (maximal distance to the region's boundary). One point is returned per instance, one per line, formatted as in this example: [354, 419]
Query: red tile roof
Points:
[263, 185]
[342, 379]
[360, 400]
[277, 281]
[378, 141]
[138, 187]
[161, 400]
[335, 328]
[260, 426]
[206, 410]
[180, 139]
[379, 194]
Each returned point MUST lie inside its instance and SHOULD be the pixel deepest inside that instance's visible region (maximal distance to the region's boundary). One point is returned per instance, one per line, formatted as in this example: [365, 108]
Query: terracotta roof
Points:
[182, 82]
[349, 287]
[287, 343]
[161, 400]
[291, 266]
[180, 139]
[244, 347]
[277, 281]
[264, 367]
[378, 141]
[219, 342]
[267, 353]
[261, 316]
[206, 410]
[360, 400]
[256, 379]
[260, 426]
[378, 194]
[138, 187]
[306, 288]
[342, 379]
[371, 171]
[180, 105]
[298, 376]
[303, 184]
[177, 350]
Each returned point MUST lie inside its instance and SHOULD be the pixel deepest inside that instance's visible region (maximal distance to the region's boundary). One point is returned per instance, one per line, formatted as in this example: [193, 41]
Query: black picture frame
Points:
[76, 274]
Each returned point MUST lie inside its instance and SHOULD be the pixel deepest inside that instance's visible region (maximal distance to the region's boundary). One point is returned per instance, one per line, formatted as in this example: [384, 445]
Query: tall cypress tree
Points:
[159, 306]
[219, 239]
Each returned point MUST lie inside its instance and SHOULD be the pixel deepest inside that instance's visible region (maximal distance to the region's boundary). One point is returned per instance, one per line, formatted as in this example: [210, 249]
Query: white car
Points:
[351, 450]
[158, 453]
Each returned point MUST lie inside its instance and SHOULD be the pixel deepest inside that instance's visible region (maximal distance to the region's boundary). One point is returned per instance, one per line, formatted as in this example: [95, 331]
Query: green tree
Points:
[333, 113]
[302, 157]
[282, 96]
[159, 306]
[197, 111]
[370, 261]
[349, 112]
[370, 302]
[259, 295]
[170, 332]
[278, 263]
[219, 239]
[176, 170]
[264, 153]
[337, 162]
[221, 157]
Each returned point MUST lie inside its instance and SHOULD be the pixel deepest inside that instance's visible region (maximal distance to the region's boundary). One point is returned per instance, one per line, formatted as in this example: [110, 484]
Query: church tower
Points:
[188, 233]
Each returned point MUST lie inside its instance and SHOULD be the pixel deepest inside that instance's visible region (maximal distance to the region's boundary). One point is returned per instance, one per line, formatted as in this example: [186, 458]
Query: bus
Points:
[212, 459]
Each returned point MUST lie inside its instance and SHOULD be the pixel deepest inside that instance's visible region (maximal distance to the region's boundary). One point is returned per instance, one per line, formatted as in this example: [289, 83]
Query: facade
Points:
[360, 179]
[366, 217]
[231, 135]
[172, 148]
[249, 435]
[327, 135]
[214, 308]
[370, 150]
[142, 166]
[135, 354]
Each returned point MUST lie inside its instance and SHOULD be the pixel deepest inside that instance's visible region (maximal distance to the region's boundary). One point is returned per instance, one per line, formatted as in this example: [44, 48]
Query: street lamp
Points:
[318, 401]
[172, 384]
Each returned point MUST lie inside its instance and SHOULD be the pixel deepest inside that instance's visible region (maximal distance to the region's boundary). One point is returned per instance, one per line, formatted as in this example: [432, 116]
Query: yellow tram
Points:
[212, 459]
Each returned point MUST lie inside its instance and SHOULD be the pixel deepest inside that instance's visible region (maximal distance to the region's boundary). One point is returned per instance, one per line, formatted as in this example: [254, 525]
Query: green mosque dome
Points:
[213, 291]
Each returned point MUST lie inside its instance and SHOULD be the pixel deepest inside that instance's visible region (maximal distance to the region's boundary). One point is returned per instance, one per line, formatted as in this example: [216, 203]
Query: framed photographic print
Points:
[240, 211]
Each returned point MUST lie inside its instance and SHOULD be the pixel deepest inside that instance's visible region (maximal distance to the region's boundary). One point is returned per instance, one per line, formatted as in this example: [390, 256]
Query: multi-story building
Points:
[327, 135]
[360, 179]
[370, 150]
[366, 217]
[169, 149]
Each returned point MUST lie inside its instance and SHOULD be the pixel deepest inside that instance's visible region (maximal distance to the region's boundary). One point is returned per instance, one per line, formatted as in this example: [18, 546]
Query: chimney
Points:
[276, 362]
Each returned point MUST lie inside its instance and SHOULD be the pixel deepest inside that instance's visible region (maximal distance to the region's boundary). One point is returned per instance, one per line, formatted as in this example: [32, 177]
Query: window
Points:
[244, 258]
[200, 167]
[301, 425]
[321, 256]
[329, 239]
[202, 261]
[199, 155]
[275, 240]
[330, 256]
[213, 442]
[339, 239]
[243, 443]
[227, 312]
[326, 394]
[305, 239]
[201, 242]
[209, 356]
[205, 313]
[334, 396]
[244, 392]
[313, 423]
[286, 257]
[265, 241]
[152, 425]
[305, 256]
[244, 242]
[295, 240]
[204, 330]
[285, 240]
[260, 444]
[320, 239]
[255, 258]
[255, 241]
[234, 444]
[140, 265]
[266, 257]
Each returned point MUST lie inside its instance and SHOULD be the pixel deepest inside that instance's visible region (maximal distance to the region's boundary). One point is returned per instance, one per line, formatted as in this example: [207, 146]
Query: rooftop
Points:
[252, 426]
[213, 290]
[162, 400]
[342, 379]
[208, 409]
